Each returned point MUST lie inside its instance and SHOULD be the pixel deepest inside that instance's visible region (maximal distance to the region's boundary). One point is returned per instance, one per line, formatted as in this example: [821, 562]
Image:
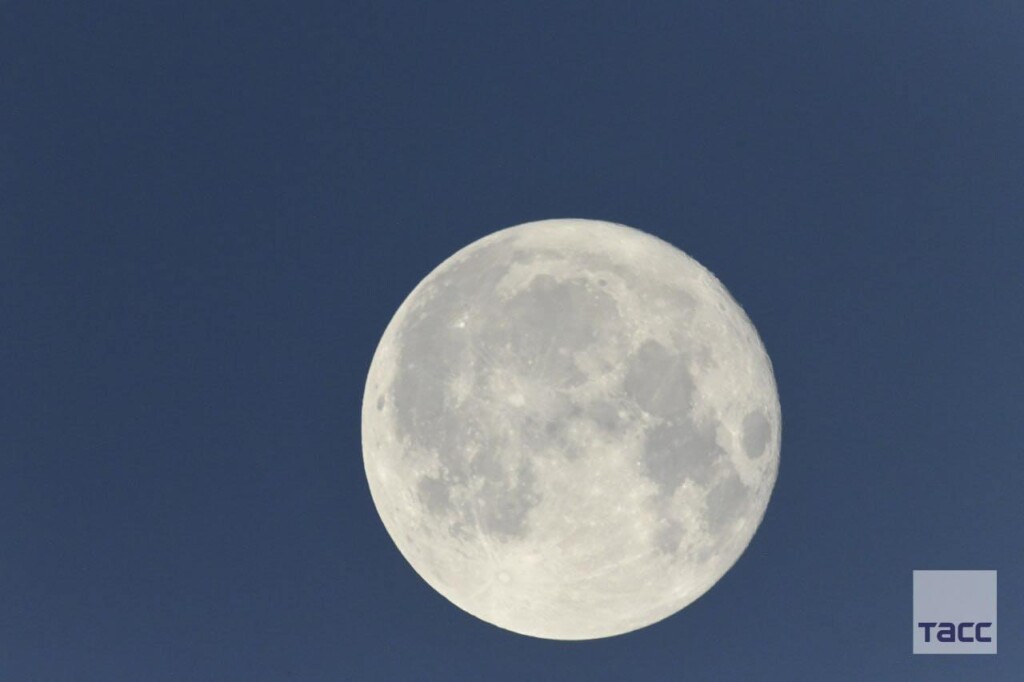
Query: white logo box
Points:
[955, 612]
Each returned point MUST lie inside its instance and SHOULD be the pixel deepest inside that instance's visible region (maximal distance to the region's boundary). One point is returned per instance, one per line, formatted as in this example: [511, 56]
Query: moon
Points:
[570, 429]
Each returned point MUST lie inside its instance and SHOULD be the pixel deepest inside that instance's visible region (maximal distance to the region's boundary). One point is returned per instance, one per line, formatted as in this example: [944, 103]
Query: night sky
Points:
[209, 212]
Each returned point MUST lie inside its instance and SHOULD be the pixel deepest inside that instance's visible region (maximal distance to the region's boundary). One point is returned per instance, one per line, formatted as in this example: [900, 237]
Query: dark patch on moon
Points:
[433, 494]
[503, 505]
[756, 431]
[605, 414]
[464, 330]
[668, 535]
[552, 429]
[659, 380]
[538, 330]
[550, 435]
[433, 348]
[726, 503]
[678, 450]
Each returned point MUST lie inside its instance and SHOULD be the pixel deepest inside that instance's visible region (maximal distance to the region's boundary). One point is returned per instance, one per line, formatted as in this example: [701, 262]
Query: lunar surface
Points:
[570, 429]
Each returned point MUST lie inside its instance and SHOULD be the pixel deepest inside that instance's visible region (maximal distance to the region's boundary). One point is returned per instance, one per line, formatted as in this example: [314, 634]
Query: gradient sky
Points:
[210, 211]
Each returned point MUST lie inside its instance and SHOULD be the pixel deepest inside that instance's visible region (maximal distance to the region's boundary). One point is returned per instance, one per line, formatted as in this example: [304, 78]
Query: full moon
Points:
[570, 429]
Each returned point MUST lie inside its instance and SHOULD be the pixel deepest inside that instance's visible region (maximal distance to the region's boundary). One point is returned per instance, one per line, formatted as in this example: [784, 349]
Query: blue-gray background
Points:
[209, 212]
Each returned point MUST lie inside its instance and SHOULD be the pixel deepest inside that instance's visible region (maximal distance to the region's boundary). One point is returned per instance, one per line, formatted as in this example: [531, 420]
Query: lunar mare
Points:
[570, 429]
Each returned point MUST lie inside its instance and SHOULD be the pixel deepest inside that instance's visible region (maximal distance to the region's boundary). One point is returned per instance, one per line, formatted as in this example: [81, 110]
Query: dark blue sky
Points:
[210, 211]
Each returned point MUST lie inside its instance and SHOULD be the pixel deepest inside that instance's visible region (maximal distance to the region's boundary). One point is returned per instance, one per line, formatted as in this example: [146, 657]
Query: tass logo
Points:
[954, 612]
[957, 632]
